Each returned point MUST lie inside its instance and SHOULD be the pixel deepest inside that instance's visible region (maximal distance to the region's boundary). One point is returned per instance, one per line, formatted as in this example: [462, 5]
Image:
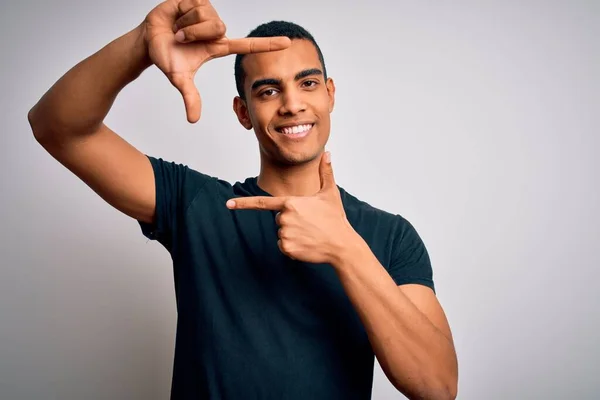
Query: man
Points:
[287, 286]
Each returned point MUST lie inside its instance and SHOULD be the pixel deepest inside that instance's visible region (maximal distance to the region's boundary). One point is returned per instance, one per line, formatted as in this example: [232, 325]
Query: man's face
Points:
[288, 103]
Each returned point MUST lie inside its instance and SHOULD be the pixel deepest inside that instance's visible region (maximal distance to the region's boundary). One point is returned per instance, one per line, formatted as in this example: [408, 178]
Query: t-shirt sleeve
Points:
[176, 187]
[410, 261]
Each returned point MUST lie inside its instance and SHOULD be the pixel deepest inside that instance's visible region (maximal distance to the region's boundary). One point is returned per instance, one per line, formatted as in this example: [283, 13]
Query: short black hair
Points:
[271, 29]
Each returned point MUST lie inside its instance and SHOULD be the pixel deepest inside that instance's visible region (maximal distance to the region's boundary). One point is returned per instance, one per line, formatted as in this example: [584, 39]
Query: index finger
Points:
[258, 44]
[257, 203]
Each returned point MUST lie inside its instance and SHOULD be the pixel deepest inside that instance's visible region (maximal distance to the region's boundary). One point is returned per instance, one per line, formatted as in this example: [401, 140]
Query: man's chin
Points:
[294, 160]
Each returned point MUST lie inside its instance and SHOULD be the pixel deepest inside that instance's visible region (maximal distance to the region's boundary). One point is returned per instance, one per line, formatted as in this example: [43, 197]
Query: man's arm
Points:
[406, 325]
[68, 122]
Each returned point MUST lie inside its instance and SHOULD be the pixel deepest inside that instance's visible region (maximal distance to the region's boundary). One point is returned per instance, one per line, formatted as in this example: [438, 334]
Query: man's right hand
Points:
[181, 35]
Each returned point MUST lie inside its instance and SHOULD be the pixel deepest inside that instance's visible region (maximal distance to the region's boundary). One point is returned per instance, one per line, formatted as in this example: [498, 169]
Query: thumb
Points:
[191, 97]
[326, 172]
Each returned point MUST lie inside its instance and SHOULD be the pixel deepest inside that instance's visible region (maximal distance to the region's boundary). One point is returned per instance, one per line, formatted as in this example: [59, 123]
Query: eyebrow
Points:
[270, 81]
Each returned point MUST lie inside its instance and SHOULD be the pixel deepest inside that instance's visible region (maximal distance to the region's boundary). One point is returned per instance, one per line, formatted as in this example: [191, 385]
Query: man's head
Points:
[284, 93]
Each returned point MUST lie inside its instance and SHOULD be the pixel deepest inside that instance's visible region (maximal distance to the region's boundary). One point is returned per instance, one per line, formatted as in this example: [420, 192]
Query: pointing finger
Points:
[257, 203]
[258, 45]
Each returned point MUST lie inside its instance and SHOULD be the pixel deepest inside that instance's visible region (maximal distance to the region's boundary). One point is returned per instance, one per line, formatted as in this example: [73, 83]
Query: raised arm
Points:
[68, 120]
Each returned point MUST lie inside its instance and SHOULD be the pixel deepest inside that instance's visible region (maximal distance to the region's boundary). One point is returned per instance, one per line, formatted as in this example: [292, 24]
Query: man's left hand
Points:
[311, 228]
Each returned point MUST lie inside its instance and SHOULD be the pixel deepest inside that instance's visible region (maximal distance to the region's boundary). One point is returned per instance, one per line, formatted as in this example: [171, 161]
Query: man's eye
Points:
[310, 83]
[268, 93]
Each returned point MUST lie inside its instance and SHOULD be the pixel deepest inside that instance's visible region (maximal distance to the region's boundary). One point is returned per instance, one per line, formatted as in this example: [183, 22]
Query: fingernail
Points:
[180, 36]
[231, 204]
[328, 157]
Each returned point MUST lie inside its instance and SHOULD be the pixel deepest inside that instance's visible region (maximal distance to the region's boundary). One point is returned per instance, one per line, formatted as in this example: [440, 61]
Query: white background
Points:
[476, 121]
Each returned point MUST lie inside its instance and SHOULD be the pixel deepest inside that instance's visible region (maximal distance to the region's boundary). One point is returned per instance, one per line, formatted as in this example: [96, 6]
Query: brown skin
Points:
[287, 167]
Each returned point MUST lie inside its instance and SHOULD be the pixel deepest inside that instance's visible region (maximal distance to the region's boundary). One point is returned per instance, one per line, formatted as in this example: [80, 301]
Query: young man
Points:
[287, 286]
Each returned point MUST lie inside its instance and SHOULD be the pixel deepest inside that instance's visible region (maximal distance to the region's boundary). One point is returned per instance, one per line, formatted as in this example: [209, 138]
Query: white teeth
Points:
[296, 129]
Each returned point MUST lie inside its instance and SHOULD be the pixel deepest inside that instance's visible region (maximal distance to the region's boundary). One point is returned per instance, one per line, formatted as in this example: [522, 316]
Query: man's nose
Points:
[293, 102]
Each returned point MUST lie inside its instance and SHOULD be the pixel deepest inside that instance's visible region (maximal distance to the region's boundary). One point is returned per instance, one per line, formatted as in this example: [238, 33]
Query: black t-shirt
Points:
[253, 323]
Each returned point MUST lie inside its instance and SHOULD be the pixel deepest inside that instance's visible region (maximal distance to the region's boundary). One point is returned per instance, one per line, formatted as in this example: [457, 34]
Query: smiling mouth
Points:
[296, 131]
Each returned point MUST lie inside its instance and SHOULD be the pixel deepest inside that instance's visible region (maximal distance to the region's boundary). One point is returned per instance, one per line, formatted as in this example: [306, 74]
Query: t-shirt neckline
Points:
[255, 189]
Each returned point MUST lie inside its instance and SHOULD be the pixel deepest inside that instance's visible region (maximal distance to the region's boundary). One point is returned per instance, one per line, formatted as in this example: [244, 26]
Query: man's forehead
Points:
[282, 64]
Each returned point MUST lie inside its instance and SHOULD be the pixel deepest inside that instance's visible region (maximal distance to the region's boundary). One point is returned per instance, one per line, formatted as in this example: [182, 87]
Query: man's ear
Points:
[241, 110]
[331, 93]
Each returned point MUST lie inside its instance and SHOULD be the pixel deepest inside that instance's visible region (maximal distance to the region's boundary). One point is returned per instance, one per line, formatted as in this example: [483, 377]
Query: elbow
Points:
[43, 126]
[449, 392]
[434, 393]
[31, 119]
[35, 124]
[430, 389]
[445, 391]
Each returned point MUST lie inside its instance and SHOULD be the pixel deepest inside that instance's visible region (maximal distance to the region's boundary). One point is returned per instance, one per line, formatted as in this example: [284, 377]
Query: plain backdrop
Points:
[477, 121]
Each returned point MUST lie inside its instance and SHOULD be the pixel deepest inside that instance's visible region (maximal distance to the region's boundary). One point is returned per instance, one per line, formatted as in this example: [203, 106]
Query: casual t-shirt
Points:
[253, 323]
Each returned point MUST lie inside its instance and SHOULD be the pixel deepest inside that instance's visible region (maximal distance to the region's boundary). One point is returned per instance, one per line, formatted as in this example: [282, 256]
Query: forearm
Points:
[417, 358]
[80, 100]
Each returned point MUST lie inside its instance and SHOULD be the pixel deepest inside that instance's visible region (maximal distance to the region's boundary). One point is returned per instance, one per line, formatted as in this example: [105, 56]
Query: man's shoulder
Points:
[373, 222]
[355, 205]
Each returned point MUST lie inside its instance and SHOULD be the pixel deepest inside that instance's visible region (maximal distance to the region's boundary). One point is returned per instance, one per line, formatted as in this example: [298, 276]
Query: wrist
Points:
[140, 47]
[350, 246]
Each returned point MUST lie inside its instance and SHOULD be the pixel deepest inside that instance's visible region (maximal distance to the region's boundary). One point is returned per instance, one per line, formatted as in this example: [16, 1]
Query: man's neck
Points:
[298, 180]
